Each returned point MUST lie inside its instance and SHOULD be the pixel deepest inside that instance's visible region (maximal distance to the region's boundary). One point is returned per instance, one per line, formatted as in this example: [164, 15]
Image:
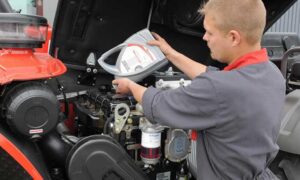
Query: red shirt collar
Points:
[248, 59]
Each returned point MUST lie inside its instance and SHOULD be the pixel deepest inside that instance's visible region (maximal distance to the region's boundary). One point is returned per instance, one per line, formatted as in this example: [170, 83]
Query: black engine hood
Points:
[85, 26]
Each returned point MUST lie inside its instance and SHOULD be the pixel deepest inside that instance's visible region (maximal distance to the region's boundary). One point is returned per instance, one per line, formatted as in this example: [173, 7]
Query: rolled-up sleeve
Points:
[191, 107]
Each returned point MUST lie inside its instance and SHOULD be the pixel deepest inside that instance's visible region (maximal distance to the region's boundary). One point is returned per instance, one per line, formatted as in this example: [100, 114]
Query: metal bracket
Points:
[122, 112]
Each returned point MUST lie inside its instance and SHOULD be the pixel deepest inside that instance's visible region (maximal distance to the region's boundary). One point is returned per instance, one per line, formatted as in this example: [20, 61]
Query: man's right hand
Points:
[126, 86]
[122, 85]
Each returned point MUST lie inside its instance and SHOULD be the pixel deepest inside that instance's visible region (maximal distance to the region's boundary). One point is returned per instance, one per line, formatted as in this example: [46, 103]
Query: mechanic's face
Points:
[217, 41]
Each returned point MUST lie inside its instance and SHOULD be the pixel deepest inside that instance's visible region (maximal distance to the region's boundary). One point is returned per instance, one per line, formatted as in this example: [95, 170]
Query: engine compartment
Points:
[95, 127]
[159, 151]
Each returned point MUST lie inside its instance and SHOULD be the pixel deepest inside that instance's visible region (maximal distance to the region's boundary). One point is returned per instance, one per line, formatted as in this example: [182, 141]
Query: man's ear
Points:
[235, 37]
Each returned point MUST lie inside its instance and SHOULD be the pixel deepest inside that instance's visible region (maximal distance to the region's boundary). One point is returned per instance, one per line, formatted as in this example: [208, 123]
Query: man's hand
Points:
[190, 67]
[126, 86]
[163, 45]
[122, 85]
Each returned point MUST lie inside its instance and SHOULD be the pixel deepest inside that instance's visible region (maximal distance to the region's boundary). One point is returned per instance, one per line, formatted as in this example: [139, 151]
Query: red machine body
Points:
[24, 64]
[28, 107]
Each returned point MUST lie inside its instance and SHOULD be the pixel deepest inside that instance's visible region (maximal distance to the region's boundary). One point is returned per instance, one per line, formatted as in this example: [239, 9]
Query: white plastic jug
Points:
[137, 59]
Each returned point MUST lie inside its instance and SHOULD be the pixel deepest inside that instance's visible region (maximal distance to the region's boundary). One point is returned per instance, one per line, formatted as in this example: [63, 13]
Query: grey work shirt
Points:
[236, 114]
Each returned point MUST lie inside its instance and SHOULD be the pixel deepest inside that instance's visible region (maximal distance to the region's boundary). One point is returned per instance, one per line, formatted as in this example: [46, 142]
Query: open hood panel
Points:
[85, 26]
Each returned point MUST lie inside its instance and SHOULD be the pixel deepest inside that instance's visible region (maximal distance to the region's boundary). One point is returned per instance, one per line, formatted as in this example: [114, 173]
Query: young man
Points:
[235, 111]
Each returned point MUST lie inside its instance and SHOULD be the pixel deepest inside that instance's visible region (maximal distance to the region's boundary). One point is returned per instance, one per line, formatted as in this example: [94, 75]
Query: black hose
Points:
[108, 121]
[61, 89]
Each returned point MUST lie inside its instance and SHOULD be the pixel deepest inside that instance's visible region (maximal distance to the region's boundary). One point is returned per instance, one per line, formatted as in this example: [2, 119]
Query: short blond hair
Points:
[246, 16]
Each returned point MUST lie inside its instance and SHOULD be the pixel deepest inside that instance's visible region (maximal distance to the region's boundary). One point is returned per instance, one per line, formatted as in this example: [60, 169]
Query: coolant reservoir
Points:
[22, 31]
